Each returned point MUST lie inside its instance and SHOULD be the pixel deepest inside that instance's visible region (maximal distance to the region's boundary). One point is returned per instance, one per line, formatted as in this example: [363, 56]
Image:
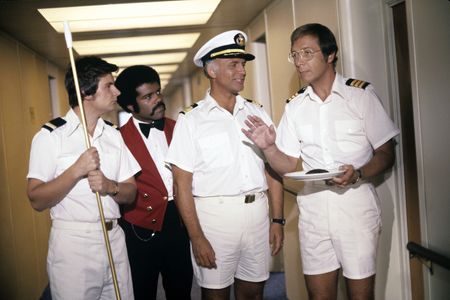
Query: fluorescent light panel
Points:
[161, 69]
[131, 15]
[136, 44]
[148, 59]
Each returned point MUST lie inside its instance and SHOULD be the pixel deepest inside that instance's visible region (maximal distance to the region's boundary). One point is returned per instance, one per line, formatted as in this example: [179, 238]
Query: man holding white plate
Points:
[338, 125]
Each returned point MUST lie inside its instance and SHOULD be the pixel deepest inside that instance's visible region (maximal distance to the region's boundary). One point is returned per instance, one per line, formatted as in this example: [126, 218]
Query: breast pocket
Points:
[110, 164]
[215, 150]
[349, 135]
[305, 134]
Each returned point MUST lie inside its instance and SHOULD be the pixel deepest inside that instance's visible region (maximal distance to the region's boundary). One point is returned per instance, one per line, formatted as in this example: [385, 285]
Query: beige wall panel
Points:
[319, 11]
[24, 228]
[61, 94]
[247, 92]
[199, 85]
[255, 30]
[295, 288]
[24, 106]
[175, 103]
[36, 99]
[9, 81]
[282, 76]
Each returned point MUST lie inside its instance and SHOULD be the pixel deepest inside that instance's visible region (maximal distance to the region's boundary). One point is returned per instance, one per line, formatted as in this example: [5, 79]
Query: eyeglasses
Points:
[305, 54]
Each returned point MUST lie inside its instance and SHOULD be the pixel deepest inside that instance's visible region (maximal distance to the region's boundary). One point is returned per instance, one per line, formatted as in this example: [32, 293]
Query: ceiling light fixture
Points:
[136, 44]
[130, 15]
[147, 59]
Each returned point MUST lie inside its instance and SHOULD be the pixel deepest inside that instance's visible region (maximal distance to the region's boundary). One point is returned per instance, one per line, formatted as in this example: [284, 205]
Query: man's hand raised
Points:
[259, 133]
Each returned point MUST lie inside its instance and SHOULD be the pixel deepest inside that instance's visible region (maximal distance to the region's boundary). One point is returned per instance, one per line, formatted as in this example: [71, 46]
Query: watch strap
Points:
[279, 221]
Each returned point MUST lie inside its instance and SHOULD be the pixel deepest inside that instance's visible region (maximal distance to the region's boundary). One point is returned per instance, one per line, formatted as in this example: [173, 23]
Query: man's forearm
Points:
[275, 191]
[279, 161]
[185, 202]
[383, 159]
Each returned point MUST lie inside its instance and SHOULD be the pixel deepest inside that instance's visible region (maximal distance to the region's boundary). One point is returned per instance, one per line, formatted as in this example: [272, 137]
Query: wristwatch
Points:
[116, 189]
[359, 176]
[279, 221]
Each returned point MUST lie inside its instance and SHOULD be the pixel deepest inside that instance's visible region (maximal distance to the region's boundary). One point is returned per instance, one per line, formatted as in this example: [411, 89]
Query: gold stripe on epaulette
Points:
[357, 83]
[254, 102]
[300, 91]
[189, 108]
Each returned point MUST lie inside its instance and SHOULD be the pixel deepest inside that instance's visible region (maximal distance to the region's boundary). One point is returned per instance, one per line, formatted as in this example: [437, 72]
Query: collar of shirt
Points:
[338, 88]
[211, 103]
[73, 123]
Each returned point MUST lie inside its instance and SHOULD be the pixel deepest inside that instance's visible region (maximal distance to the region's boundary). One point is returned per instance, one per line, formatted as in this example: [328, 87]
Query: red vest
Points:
[149, 207]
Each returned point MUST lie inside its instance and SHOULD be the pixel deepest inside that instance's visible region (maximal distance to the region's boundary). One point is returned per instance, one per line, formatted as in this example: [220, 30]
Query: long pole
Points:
[68, 37]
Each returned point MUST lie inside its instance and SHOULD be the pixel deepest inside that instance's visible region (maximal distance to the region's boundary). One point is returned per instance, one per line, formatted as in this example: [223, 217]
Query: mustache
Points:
[160, 104]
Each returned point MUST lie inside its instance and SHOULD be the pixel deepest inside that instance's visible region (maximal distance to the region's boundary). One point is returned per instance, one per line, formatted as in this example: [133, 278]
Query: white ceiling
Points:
[21, 20]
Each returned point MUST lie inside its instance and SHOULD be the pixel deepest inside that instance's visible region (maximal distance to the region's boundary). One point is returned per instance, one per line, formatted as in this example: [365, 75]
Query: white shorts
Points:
[239, 234]
[339, 228]
[77, 262]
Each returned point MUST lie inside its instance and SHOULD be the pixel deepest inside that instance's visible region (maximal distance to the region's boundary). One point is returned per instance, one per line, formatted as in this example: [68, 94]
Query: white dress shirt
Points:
[52, 152]
[209, 143]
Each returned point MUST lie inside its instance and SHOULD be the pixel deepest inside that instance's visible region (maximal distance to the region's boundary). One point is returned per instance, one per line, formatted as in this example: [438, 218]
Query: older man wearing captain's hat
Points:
[222, 179]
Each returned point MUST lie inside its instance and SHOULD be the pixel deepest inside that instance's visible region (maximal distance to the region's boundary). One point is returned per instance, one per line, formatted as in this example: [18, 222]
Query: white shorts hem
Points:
[321, 271]
[356, 277]
[214, 286]
[254, 279]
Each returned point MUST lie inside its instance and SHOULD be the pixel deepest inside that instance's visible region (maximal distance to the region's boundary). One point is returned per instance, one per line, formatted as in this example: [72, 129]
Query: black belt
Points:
[109, 225]
[249, 198]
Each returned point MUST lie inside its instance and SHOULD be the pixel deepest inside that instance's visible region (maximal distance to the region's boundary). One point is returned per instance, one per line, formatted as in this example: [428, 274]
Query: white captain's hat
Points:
[228, 44]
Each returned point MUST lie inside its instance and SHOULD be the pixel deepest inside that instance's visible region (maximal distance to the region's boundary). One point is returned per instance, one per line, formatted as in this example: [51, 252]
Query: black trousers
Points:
[166, 253]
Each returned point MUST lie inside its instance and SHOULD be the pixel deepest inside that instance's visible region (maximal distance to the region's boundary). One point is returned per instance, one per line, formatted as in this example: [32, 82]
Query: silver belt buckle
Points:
[249, 198]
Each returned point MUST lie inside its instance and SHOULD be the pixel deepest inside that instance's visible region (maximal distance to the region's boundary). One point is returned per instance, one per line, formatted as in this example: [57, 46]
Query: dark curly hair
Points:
[130, 79]
[89, 70]
[327, 41]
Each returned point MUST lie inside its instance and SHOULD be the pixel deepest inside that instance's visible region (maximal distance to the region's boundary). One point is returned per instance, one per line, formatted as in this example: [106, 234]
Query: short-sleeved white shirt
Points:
[343, 129]
[52, 152]
[209, 143]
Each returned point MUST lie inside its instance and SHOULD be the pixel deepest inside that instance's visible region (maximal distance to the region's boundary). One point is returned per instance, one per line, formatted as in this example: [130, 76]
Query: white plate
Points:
[301, 175]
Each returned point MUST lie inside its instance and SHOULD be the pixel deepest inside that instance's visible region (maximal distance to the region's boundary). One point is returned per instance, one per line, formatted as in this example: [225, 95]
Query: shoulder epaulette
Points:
[357, 83]
[111, 124]
[53, 124]
[189, 108]
[254, 102]
[300, 91]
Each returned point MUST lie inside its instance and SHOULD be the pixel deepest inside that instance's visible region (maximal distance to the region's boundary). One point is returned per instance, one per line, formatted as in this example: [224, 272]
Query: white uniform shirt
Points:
[209, 143]
[343, 129]
[53, 152]
[157, 147]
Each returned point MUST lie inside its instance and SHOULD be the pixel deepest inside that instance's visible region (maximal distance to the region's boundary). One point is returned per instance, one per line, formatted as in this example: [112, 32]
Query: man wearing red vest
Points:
[157, 241]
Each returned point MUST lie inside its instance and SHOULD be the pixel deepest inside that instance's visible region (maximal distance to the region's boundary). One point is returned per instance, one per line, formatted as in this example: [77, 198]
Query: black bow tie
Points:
[145, 127]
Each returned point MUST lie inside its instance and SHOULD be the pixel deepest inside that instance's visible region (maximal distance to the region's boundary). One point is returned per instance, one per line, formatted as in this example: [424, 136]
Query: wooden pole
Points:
[68, 37]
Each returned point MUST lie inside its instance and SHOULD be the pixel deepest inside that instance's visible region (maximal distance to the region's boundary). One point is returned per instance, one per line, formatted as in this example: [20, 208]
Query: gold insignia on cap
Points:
[239, 39]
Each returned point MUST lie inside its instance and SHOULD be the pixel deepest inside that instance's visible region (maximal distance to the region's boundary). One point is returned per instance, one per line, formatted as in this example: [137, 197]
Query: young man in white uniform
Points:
[63, 176]
[333, 123]
[221, 179]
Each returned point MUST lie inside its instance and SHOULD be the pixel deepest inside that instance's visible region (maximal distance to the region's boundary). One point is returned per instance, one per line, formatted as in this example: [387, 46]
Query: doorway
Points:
[408, 143]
